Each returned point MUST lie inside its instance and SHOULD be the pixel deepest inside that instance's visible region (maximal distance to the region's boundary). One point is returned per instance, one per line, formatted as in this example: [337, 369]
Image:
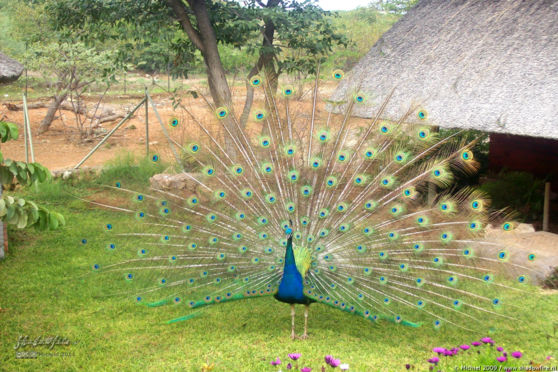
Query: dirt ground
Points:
[61, 146]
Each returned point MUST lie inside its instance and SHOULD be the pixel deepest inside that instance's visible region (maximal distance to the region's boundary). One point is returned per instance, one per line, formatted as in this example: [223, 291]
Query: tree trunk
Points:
[47, 121]
[204, 39]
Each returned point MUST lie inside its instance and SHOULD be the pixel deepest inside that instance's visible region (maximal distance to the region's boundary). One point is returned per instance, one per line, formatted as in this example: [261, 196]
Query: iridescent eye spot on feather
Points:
[437, 324]
[488, 278]
[267, 168]
[290, 207]
[342, 207]
[522, 279]
[367, 231]
[496, 302]
[452, 280]
[338, 74]
[420, 304]
[403, 267]
[237, 170]
[293, 176]
[359, 98]
[288, 91]
[344, 227]
[306, 190]
[259, 115]
[323, 213]
[208, 170]
[289, 150]
[129, 276]
[476, 205]
[108, 226]
[118, 185]
[383, 255]
[370, 205]
[422, 114]
[255, 81]
[247, 193]
[222, 112]
[370, 153]
[418, 247]
[323, 135]
[111, 247]
[265, 142]
[173, 122]
[211, 217]
[468, 253]
[438, 261]
[423, 134]
[96, 267]
[467, 155]
[503, 255]
[155, 158]
[531, 257]
[331, 181]
[271, 198]
[360, 180]
[315, 163]
[508, 226]
[419, 282]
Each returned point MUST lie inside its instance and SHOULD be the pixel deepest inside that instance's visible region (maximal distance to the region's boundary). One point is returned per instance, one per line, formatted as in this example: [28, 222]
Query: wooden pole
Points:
[546, 209]
[146, 123]
[27, 124]
[110, 133]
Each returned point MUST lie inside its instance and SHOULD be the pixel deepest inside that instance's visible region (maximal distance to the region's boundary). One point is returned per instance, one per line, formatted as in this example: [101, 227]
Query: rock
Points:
[495, 231]
[182, 181]
[67, 174]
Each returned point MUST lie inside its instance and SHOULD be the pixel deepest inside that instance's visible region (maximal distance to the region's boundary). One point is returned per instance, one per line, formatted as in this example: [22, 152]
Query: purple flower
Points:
[549, 357]
[476, 343]
[335, 362]
[487, 340]
[276, 362]
[439, 350]
[501, 359]
[516, 354]
[305, 369]
[434, 360]
[407, 366]
[294, 356]
[289, 366]
[328, 359]
[448, 353]
[500, 348]
[465, 347]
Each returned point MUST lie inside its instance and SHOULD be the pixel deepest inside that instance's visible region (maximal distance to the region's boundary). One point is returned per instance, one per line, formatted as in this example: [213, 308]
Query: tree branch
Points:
[180, 11]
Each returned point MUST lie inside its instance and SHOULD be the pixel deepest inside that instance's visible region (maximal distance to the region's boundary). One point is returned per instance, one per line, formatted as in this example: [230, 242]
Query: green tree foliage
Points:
[18, 211]
[70, 68]
[272, 30]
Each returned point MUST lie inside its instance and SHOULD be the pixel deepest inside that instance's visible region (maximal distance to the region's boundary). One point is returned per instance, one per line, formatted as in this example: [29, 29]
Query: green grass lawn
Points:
[47, 289]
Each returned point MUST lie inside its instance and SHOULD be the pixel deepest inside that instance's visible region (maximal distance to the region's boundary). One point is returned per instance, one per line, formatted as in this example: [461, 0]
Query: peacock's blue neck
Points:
[291, 289]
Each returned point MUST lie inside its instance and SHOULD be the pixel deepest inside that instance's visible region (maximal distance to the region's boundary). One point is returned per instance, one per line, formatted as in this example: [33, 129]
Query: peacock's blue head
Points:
[288, 229]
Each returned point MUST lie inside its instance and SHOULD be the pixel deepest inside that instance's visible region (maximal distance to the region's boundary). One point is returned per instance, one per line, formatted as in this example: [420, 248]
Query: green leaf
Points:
[22, 221]
[21, 202]
[14, 132]
[52, 221]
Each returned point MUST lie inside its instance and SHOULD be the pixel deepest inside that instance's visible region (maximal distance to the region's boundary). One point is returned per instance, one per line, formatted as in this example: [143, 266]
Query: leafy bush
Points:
[15, 210]
[518, 190]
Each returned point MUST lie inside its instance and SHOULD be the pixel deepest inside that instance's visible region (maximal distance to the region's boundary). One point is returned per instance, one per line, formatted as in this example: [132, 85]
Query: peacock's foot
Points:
[303, 337]
[293, 336]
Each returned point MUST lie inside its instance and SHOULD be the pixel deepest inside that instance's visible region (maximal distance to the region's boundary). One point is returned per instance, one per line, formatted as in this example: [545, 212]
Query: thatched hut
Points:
[10, 69]
[474, 64]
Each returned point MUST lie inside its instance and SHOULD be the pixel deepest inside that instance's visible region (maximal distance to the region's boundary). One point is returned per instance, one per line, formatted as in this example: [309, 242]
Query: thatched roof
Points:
[488, 65]
[10, 70]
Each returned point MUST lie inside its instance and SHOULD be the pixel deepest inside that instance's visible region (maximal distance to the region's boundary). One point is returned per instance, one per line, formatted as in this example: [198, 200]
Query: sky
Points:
[342, 4]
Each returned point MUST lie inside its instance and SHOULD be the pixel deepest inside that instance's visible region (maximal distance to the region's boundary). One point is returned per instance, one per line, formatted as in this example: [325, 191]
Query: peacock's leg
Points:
[292, 321]
[305, 334]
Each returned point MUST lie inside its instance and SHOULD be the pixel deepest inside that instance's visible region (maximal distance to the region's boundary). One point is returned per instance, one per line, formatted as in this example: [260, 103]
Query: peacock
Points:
[315, 206]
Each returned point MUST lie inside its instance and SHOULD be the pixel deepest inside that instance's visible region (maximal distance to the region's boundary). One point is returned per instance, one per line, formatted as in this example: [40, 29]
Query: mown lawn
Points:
[47, 289]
